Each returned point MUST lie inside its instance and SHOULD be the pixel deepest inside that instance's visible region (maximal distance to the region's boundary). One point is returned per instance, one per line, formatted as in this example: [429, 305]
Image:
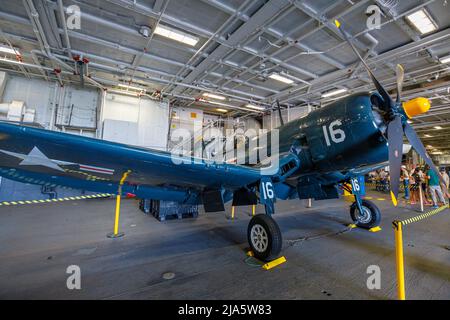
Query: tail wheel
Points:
[369, 218]
[264, 237]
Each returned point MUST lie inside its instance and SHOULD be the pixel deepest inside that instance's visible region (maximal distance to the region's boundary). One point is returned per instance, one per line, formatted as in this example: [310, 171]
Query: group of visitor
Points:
[417, 180]
[427, 181]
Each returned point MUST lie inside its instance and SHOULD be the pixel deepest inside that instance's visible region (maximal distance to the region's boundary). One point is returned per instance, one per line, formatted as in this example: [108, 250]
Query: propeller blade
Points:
[400, 80]
[419, 147]
[386, 97]
[395, 139]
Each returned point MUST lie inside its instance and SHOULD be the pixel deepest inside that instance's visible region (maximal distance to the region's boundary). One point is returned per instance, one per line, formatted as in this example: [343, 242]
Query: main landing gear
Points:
[368, 217]
[365, 214]
[264, 237]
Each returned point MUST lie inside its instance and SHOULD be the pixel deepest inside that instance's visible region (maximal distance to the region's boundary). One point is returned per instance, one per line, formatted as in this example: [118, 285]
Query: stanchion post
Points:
[116, 233]
[399, 260]
[421, 198]
[232, 212]
[309, 205]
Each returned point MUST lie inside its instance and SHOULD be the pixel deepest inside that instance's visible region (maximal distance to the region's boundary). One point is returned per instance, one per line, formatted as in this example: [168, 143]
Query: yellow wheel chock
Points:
[274, 263]
[271, 264]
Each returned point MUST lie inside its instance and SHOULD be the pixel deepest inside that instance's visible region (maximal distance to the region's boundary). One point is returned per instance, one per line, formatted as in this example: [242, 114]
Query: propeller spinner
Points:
[398, 114]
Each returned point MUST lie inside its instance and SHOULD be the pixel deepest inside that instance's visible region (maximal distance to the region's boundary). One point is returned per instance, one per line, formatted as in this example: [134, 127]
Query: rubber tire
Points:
[375, 212]
[275, 240]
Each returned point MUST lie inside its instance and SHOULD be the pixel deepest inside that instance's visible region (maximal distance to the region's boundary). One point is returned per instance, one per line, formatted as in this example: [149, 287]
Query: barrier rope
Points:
[420, 217]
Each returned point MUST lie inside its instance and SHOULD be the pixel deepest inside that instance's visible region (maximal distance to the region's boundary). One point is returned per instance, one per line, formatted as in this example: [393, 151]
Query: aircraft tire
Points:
[264, 237]
[371, 217]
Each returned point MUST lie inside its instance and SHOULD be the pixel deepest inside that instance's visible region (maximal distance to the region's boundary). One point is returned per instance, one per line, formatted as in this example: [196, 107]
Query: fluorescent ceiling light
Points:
[213, 96]
[334, 93]
[438, 128]
[428, 136]
[6, 49]
[176, 35]
[222, 110]
[252, 106]
[276, 76]
[422, 21]
[125, 86]
[445, 59]
[437, 153]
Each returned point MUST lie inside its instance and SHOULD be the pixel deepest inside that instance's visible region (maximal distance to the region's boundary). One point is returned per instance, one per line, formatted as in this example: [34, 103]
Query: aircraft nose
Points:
[416, 107]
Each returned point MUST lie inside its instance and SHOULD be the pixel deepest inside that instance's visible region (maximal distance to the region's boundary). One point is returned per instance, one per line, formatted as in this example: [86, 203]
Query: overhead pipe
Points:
[36, 61]
[63, 21]
[164, 81]
[45, 47]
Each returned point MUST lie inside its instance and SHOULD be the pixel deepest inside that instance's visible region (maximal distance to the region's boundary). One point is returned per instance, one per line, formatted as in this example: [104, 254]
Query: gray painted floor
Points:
[208, 257]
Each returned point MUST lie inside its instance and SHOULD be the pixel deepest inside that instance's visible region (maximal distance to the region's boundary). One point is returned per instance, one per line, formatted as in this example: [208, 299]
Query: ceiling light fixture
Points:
[252, 106]
[125, 86]
[444, 60]
[222, 110]
[9, 50]
[214, 96]
[428, 136]
[276, 76]
[176, 35]
[438, 128]
[334, 93]
[422, 21]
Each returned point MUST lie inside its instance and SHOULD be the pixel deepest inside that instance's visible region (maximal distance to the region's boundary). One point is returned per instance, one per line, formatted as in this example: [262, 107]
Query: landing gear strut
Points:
[264, 237]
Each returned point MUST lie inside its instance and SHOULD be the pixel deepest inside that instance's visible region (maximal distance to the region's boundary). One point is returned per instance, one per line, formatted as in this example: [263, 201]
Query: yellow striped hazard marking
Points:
[27, 202]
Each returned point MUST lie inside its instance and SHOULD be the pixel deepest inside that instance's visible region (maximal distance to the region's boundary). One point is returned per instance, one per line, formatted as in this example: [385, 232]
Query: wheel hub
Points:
[365, 216]
[259, 238]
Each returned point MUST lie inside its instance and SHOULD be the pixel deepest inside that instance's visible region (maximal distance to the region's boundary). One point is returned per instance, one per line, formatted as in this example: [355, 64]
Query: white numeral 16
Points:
[267, 189]
[337, 135]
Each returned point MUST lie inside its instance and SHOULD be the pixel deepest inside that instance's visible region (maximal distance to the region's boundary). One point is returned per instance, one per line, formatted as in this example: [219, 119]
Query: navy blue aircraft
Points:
[330, 146]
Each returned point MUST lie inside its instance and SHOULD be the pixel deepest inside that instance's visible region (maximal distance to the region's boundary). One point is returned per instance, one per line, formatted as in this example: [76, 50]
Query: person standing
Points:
[405, 178]
[424, 185]
[416, 184]
[434, 185]
[446, 179]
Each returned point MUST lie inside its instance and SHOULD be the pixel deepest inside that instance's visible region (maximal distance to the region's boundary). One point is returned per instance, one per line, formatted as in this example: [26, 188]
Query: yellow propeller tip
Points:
[337, 23]
[394, 199]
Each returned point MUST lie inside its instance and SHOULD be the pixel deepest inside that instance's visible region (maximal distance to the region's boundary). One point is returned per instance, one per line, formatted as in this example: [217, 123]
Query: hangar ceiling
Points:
[236, 48]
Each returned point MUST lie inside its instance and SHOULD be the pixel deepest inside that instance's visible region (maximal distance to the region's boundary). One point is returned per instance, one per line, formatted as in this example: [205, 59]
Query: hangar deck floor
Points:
[207, 255]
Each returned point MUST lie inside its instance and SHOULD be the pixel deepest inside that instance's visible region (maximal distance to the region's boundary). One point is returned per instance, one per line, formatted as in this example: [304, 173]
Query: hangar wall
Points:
[136, 121]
